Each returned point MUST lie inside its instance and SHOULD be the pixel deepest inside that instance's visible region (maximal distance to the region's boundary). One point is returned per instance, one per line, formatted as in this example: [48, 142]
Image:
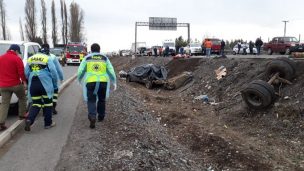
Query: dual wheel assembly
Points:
[260, 94]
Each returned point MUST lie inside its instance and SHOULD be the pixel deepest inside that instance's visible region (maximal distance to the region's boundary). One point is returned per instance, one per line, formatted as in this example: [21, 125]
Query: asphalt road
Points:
[40, 149]
[68, 71]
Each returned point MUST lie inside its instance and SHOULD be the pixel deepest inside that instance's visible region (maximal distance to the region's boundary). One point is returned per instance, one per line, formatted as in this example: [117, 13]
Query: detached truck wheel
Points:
[291, 62]
[256, 96]
[282, 67]
[267, 86]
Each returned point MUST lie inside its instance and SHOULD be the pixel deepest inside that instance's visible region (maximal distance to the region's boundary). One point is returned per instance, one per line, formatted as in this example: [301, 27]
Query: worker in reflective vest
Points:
[45, 48]
[96, 73]
[41, 74]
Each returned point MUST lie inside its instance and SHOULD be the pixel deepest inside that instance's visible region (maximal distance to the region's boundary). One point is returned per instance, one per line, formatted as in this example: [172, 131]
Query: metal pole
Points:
[285, 21]
[135, 45]
[188, 32]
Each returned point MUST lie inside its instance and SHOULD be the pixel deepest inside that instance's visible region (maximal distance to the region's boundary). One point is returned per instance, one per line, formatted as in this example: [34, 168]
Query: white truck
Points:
[171, 45]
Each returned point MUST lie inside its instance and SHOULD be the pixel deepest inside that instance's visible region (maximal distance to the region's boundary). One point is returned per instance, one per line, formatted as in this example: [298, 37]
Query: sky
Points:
[111, 23]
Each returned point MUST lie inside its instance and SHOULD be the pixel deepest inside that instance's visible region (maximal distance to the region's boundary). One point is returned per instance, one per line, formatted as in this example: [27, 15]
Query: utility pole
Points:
[285, 21]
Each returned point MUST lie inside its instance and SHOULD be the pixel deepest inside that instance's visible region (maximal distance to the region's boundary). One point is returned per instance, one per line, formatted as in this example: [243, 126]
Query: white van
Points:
[171, 45]
[27, 48]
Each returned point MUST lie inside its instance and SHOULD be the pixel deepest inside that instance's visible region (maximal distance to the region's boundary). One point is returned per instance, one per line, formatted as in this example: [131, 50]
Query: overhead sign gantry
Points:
[161, 23]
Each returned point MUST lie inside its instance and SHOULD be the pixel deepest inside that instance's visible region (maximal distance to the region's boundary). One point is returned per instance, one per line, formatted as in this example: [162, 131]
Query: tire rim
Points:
[254, 99]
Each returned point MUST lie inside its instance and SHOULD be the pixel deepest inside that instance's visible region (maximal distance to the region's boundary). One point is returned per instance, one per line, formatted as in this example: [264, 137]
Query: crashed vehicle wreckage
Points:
[150, 75]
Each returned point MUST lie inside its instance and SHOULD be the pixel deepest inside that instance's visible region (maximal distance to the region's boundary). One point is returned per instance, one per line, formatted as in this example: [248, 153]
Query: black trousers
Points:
[100, 97]
[40, 100]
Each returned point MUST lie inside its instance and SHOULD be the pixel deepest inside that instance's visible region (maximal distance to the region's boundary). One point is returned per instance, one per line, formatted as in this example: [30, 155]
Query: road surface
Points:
[40, 149]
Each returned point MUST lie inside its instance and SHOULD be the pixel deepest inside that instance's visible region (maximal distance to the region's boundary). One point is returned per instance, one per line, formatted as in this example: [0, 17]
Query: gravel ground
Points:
[168, 130]
[130, 138]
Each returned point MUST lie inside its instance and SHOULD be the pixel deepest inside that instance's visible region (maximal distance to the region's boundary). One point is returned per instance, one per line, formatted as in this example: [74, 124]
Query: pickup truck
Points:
[282, 45]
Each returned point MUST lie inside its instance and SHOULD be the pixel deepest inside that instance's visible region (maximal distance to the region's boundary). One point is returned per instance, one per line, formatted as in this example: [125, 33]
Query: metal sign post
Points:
[161, 23]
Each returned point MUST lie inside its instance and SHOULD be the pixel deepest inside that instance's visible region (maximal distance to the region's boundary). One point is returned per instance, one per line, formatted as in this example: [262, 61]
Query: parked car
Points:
[27, 50]
[195, 49]
[243, 47]
[125, 53]
[282, 45]
[59, 53]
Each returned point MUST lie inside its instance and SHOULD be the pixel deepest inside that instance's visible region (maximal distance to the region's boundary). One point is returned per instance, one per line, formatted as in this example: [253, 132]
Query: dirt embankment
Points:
[169, 130]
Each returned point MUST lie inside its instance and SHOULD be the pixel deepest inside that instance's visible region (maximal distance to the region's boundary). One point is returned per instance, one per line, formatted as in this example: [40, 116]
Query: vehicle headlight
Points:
[293, 45]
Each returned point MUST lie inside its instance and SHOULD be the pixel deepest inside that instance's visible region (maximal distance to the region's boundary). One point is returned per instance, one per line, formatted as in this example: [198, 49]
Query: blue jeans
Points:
[208, 51]
[258, 50]
[92, 98]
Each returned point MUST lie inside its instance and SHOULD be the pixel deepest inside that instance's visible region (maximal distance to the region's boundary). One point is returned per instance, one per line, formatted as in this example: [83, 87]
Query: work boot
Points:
[100, 118]
[50, 126]
[54, 111]
[27, 125]
[92, 122]
[3, 127]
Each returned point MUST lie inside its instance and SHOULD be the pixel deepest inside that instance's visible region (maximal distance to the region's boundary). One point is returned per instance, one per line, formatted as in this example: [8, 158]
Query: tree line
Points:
[72, 23]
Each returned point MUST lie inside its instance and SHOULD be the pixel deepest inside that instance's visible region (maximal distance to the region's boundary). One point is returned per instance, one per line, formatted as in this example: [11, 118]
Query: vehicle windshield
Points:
[169, 44]
[195, 45]
[216, 42]
[290, 39]
[5, 47]
[75, 48]
[56, 52]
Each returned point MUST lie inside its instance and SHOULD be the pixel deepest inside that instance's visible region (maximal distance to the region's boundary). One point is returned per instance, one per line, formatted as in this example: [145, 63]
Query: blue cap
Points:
[15, 47]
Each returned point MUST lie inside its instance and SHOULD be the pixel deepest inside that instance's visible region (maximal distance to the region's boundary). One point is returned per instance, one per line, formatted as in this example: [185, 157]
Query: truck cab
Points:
[280, 45]
[75, 52]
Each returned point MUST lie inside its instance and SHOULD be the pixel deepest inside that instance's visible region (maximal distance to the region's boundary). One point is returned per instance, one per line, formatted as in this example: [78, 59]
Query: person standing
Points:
[155, 51]
[239, 45]
[208, 46]
[258, 44]
[223, 44]
[12, 80]
[45, 49]
[160, 50]
[96, 73]
[251, 45]
[42, 77]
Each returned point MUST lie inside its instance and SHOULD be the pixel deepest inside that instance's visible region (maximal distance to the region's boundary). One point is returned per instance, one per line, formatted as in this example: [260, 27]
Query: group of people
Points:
[38, 81]
[258, 44]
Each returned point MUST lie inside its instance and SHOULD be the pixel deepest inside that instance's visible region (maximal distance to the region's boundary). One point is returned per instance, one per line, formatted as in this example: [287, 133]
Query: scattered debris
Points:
[221, 72]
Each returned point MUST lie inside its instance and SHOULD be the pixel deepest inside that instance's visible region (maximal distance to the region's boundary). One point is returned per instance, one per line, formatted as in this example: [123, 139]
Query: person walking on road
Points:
[208, 46]
[12, 80]
[258, 44]
[42, 76]
[96, 73]
[45, 48]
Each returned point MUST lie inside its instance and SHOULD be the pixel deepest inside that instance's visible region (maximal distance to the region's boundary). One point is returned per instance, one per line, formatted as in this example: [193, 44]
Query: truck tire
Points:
[283, 68]
[256, 96]
[291, 62]
[267, 86]
[269, 51]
